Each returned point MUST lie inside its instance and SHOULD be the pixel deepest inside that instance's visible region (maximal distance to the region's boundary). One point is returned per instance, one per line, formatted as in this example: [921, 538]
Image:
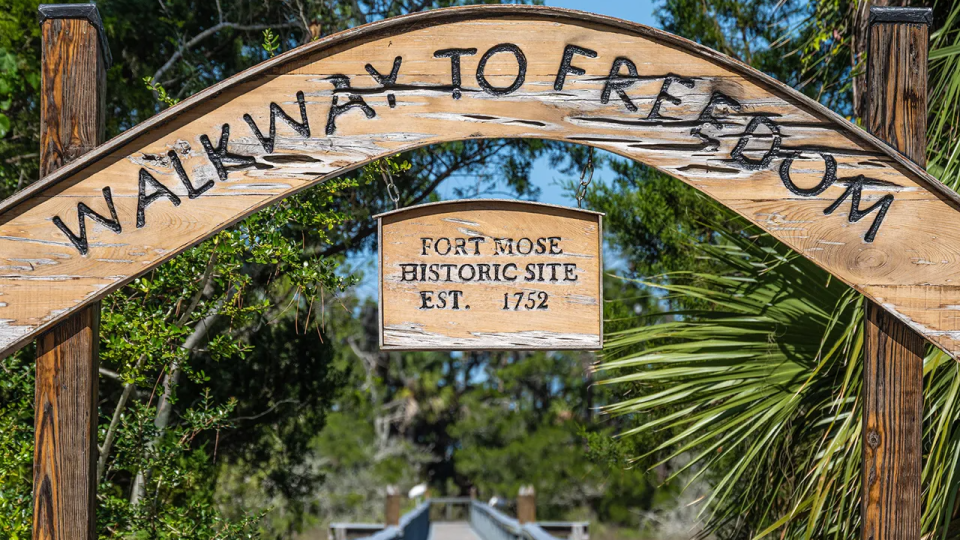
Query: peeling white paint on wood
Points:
[412, 338]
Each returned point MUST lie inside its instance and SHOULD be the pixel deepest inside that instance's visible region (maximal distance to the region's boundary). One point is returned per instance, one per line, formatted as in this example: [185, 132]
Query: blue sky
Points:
[639, 11]
[543, 176]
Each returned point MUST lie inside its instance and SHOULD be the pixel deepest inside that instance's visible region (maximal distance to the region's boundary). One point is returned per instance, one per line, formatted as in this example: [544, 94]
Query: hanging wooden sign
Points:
[490, 275]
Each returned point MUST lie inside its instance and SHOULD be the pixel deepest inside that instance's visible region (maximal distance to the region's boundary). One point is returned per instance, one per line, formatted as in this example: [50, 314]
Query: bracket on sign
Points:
[490, 275]
[392, 191]
[585, 179]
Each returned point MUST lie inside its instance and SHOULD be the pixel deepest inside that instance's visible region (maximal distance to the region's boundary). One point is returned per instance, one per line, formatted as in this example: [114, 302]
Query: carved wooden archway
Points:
[835, 194]
[812, 179]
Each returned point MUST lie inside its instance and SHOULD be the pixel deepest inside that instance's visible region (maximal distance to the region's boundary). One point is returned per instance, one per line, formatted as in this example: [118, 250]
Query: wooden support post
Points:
[893, 370]
[526, 505]
[391, 511]
[73, 78]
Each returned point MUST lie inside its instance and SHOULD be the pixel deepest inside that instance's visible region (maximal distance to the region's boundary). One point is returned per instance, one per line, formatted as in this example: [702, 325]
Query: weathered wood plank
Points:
[73, 75]
[777, 158]
[65, 452]
[896, 101]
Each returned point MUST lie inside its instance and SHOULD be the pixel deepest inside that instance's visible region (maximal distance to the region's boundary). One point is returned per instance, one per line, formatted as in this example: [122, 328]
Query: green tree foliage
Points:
[487, 421]
[220, 359]
[759, 386]
[752, 31]
[651, 217]
[19, 88]
[759, 382]
[943, 142]
[16, 447]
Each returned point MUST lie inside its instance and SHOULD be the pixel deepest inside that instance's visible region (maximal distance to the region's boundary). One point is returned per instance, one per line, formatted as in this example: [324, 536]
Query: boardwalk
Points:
[456, 530]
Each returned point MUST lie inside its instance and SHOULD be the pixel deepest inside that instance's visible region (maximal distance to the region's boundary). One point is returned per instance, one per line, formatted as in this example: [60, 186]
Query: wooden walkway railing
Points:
[480, 522]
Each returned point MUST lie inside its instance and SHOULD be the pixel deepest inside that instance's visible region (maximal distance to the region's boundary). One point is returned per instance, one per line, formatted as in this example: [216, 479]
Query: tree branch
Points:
[115, 421]
[266, 412]
[165, 405]
[209, 32]
[201, 290]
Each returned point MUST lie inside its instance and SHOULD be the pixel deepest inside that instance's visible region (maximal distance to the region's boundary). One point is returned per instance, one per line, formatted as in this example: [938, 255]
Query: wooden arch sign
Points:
[827, 189]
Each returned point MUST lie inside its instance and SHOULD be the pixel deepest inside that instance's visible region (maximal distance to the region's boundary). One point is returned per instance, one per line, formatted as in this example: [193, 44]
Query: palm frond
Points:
[760, 392]
[737, 385]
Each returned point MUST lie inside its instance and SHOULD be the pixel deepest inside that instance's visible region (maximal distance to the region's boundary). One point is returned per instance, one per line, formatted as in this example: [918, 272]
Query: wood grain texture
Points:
[801, 172]
[490, 275]
[892, 428]
[896, 97]
[65, 451]
[71, 104]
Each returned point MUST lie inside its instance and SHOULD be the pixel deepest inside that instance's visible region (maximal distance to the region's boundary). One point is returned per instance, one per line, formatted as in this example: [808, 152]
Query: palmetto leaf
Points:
[761, 392]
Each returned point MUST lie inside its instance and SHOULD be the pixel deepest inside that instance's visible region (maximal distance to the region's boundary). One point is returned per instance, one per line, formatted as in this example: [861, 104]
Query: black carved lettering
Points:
[342, 82]
[454, 56]
[446, 250]
[192, 192]
[83, 212]
[408, 272]
[473, 272]
[388, 81]
[856, 214]
[483, 272]
[219, 155]
[531, 272]
[302, 127]
[708, 117]
[570, 272]
[460, 246]
[619, 83]
[553, 271]
[829, 177]
[555, 248]
[425, 299]
[752, 164]
[521, 73]
[456, 296]
[566, 64]
[665, 95]
[524, 250]
[477, 240]
[510, 266]
[144, 200]
[541, 246]
[426, 243]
